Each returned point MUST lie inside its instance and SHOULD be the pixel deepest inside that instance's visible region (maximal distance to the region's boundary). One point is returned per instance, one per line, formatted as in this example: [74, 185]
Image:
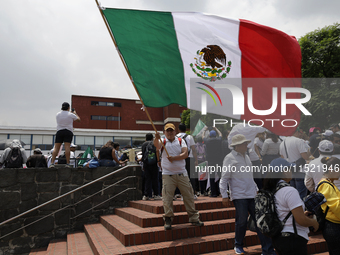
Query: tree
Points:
[320, 50]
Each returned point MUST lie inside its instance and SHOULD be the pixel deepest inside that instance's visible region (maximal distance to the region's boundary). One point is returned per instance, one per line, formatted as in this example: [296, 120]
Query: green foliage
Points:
[320, 51]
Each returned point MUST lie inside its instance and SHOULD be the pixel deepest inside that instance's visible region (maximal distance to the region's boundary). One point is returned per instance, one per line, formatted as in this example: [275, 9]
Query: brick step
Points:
[252, 250]
[202, 203]
[146, 219]
[38, 251]
[131, 234]
[77, 243]
[103, 242]
[57, 247]
[316, 246]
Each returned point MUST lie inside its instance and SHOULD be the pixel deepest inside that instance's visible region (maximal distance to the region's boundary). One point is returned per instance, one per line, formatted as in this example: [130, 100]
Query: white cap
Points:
[326, 146]
[328, 132]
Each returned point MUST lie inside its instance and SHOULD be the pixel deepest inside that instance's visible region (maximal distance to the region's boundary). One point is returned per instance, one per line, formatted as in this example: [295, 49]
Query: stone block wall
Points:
[24, 189]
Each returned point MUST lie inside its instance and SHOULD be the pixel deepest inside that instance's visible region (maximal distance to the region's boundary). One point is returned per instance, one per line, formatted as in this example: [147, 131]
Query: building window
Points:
[44, 142]
[109, 118]
[100, 103]
[137, 141]
[124, 142]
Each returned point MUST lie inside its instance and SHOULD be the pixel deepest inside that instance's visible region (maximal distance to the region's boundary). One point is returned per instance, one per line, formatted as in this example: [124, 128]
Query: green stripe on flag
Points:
[147, 40]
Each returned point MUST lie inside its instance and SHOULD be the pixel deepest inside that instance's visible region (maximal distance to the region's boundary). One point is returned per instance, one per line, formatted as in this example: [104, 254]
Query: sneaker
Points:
[69, 166]
[195, 197]
[157, 198]
[167, 223]
[52, 166]
[198, 223]
[145, 198]
[178, 195]
[239, 250]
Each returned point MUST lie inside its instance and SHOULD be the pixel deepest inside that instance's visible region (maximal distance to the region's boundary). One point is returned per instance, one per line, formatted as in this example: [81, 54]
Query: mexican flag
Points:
[185, 58]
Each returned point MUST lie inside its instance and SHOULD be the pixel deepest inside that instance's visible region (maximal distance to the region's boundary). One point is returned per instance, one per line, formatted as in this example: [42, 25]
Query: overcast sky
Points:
[52, 49]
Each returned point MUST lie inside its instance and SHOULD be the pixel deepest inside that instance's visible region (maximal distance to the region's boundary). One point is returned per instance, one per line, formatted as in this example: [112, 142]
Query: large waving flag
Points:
[163, 51]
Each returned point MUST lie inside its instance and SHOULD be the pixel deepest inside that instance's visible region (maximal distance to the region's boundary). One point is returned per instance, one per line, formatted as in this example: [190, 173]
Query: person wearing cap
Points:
[64, 133]
[314, 170]
[250, 132]
[327, 134]
[175, 175]
[37, 159]
[294, 150]
[214, 156]
[287, 200]
[237, 185]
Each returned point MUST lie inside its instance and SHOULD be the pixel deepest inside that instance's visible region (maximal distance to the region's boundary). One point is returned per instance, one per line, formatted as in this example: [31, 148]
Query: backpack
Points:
[164, 142]
[266, 216]
[62, 159]
[14, 158]
[313, 204]
[150, 157]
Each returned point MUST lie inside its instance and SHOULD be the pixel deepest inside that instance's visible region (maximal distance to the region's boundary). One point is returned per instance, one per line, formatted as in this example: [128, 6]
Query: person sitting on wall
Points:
[14, 156]
[37, 159]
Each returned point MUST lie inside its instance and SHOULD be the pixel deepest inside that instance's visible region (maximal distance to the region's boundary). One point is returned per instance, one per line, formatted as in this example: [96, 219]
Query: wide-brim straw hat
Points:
[238, 139]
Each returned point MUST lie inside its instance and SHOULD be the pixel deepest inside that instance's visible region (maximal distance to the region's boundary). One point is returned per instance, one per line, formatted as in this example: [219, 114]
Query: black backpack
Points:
[266, 216]
[313, 204]
[62, 159]
[14, 158]
[150, 157]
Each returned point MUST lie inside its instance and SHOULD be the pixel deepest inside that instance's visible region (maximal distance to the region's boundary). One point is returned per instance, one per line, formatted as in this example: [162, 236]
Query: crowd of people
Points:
[178, 165]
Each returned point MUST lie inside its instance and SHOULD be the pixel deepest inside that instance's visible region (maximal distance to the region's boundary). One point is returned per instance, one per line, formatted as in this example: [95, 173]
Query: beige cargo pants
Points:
[170, 183]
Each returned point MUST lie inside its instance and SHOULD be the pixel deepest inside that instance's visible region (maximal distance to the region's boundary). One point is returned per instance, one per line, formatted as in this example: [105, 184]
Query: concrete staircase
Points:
[138, 229]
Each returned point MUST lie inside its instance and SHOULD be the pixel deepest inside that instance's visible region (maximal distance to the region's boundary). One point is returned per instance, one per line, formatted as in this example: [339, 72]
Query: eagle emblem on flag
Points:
[211, 63]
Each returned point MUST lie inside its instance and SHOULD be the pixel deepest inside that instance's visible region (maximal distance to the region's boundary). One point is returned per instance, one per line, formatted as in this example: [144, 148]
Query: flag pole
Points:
[127, 70]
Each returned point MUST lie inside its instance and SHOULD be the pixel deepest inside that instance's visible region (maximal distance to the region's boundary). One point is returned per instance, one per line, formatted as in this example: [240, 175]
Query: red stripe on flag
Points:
[269, 53]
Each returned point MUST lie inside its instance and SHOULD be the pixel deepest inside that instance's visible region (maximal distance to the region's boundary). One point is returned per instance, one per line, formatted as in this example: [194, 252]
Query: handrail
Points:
[64, 195]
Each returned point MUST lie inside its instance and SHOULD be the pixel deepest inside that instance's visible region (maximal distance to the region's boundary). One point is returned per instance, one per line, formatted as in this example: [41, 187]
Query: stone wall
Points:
[23, 189]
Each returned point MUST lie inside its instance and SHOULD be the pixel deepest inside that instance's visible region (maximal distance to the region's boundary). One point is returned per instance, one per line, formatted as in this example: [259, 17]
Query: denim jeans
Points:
[299, 184]
[242, 207]
[107, 162]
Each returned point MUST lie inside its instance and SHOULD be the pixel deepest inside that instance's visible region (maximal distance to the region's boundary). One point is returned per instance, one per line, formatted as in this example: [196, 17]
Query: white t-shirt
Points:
[287, 199]
[314, 173]
[295, 146]
[270, 148]
[190, 142]
[65, 120]
[174, 149]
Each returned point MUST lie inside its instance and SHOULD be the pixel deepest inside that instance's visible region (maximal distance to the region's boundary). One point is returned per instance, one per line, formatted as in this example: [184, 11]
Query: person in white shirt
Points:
[315, 169]
[294, 150]
[287, 199]
[237, 185]
[64, 134]
[175, 175]
[270, 148]
[250, 132]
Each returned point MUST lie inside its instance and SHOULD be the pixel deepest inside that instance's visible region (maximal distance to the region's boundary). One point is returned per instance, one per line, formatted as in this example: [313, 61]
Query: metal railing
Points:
[73, 204]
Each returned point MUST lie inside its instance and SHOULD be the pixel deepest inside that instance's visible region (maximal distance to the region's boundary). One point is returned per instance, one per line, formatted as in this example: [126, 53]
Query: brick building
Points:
[121, 114]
